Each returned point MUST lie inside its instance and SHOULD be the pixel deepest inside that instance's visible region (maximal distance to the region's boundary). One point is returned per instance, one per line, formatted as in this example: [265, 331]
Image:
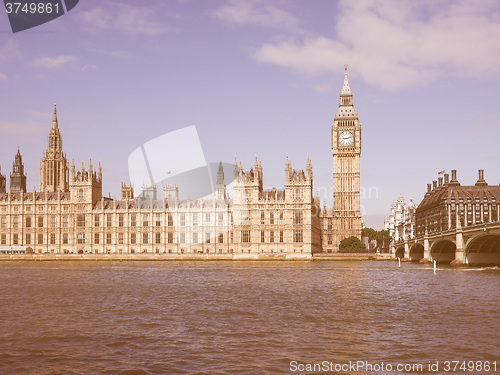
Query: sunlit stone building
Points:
[69, 213]
[401, 221]
[448, 205]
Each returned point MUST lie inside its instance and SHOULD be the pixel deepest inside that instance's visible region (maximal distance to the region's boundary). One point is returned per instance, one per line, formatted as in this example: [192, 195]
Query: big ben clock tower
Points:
[346, 149]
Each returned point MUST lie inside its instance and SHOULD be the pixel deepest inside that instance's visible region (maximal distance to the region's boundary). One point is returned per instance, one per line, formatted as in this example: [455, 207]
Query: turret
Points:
[309, 170]
[73, 173]
[220, 185]
[99, 172]
[18, 178]
[86, 187]
[235, 169]
[288, 170]
[3, 182]
[127, 192]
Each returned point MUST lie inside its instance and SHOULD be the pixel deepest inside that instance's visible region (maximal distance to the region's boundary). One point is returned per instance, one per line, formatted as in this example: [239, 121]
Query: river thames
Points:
[261, 317]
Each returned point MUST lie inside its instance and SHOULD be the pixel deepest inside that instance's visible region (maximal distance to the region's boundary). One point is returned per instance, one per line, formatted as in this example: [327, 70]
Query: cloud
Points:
[89, 67]
[11, 128]
[30, 129]
[9, 51]
[53, 62]
[124, 18]
[322, 87]
[3, 77]
[256, 12]
[398, 44]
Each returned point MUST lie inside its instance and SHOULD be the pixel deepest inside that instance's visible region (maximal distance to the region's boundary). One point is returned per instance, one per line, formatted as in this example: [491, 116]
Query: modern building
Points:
[69, 213]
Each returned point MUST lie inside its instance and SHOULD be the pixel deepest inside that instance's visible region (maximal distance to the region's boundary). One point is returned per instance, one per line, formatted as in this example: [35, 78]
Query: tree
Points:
[383, 238]
[352, 245]
[370, 233]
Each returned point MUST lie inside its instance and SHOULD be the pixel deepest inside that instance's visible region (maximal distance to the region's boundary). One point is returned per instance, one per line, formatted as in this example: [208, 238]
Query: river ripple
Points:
[240, 317]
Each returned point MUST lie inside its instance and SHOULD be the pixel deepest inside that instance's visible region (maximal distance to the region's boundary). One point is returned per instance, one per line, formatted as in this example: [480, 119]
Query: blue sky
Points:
[262, 78]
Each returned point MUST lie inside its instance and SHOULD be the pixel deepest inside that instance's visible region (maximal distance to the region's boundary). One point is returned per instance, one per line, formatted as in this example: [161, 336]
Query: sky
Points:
[261, 78]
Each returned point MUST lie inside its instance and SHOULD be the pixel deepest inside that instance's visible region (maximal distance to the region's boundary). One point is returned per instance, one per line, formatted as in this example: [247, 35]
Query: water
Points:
[241, 317]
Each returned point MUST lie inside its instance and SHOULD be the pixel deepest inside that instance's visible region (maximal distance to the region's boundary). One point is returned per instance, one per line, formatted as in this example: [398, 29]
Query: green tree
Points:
[383, 238]
[352, 245]
[370, 233]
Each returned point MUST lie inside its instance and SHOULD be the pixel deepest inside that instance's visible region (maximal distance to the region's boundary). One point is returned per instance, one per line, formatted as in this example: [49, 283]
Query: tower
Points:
[127, 192]
[18, 178]
[54, 166]
[346, 149]
[86, 185]
[220, 185]
[2, 182]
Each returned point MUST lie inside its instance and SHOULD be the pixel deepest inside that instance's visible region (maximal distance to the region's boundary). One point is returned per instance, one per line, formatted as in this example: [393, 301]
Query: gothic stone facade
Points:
[69, 214]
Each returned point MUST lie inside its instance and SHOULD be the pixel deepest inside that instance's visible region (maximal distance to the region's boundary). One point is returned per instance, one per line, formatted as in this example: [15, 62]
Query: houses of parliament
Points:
[70, 215]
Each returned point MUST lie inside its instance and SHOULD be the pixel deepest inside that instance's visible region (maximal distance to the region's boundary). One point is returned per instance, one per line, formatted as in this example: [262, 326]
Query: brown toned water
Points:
[241, 317]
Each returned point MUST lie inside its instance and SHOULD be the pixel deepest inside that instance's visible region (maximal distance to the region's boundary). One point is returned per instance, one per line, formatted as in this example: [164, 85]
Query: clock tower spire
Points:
[346, 150]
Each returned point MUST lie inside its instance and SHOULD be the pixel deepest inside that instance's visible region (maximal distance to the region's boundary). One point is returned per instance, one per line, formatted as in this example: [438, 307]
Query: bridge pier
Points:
[427, 250]
[459, 241]
[407, 250]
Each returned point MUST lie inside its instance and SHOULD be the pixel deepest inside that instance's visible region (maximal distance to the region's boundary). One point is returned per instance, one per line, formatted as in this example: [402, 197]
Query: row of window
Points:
[80, 220]
[135, 238]
[108, 220]
[16, 239]
[40, 208]
[297, 236]
[28, 222]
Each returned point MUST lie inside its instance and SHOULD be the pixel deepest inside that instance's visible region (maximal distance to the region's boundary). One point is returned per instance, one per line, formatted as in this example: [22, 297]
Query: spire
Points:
[220, 174]
[220, 186]
[309, 169]
[346, 89]
[54, 118]
[235, 169]
[346, 106]
[99, 172]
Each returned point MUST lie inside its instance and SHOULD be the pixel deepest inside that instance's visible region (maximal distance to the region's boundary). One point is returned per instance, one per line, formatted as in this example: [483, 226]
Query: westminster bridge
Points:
[474, 244]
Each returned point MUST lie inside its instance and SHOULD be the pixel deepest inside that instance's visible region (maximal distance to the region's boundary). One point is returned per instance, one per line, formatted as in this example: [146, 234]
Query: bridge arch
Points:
[483, 249]
[400, 252]
[443, 251]
[416, 252]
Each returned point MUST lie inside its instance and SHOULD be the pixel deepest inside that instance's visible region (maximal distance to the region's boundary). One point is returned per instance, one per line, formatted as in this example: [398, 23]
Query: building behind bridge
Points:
[455, 224]
[448, 205]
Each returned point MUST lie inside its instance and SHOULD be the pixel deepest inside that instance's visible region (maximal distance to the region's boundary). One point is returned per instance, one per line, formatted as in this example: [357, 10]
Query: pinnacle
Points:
[346, 89]
[54, 119]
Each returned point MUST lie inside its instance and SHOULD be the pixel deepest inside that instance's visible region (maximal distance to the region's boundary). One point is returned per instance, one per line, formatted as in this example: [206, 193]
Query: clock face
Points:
[346, 138]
